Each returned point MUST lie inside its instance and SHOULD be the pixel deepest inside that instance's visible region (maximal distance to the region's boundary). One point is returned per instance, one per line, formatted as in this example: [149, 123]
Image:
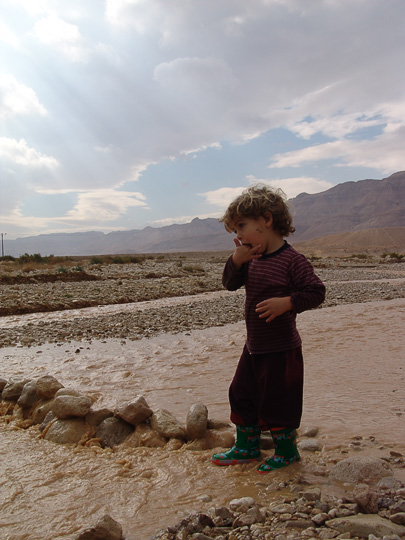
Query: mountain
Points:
[346, 208]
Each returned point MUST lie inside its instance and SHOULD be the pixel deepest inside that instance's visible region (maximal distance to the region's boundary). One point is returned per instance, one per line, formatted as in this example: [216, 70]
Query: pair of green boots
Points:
[247, 449]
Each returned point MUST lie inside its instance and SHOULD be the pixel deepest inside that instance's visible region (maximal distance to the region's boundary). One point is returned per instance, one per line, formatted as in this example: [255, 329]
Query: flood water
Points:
[354, 386]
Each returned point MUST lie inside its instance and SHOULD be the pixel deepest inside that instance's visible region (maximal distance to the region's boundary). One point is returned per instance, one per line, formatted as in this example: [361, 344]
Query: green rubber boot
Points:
[246, 449]
[286, 451]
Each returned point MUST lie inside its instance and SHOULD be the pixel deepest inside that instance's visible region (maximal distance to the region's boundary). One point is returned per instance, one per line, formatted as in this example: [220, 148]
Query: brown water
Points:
[354, 386]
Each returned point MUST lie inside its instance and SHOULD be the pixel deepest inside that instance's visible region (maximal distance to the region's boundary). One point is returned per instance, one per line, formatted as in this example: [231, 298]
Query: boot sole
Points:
[234, 461]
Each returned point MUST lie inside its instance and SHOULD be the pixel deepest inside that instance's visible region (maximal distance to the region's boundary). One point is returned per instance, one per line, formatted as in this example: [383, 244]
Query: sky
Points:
[122, 114]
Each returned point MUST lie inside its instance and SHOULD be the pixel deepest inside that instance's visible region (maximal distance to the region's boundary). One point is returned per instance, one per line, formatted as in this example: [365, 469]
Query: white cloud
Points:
[8, 36]
[222, 197]
[17, 98]
[104, 205]
[66, 37]
[19, 153]
[384, 153]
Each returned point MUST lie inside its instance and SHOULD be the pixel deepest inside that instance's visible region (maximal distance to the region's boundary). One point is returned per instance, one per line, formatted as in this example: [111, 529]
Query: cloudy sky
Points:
[119, 114]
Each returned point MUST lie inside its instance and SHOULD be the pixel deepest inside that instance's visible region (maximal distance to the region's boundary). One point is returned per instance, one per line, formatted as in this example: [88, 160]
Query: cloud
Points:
[222, 197]
[66, 37]
[19, 153]
[17, 99]
[104, 205]
[382, 153]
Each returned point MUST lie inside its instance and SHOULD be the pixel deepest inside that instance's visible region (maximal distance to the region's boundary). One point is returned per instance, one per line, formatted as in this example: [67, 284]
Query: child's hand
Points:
[244, 253]
[273, 307]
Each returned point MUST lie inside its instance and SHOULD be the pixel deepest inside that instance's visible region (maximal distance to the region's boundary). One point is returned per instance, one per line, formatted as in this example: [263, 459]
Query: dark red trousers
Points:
[267, 389]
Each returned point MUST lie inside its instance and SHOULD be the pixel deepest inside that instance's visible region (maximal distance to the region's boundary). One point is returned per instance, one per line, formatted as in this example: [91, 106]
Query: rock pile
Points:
[65, 416]
[373, 512]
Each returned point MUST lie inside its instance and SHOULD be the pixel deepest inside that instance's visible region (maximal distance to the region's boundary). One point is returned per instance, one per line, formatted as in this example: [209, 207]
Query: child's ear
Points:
[268, 217]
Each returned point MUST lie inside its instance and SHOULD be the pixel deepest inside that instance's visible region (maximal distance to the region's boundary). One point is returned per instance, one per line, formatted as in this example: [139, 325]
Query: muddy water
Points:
[354, 386]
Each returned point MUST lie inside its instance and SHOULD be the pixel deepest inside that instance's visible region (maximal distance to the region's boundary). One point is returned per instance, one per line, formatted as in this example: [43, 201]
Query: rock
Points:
[196, 423]
[362, 525]
[253, 515]
[145, 436]
[67, 431]
[135, 412]
[398, 518]
[95, 417]
[29, 396]
[312, 494]
[221, 516]
[243, 502]
[47, 420]
[13, 389]
[360, 469]
[40, 411]
[320, 519]
[217, 438]
[113, 431]
[310, 445]
[310, 432]
[71, 406]
[164, 423]
[67, 392]
[105, 529]
[366, 498]
[3, 383]
[47, 386]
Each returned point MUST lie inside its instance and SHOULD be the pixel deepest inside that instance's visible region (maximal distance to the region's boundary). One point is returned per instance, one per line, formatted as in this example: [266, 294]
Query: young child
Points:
[266, 391]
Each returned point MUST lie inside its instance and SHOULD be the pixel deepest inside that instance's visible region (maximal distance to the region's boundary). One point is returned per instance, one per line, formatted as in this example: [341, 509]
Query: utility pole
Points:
[3, 234]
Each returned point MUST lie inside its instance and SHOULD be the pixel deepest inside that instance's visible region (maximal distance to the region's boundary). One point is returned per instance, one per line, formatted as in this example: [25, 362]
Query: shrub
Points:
[96, 260]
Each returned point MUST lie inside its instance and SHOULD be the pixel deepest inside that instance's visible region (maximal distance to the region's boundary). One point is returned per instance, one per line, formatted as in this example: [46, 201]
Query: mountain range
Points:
[341, 214]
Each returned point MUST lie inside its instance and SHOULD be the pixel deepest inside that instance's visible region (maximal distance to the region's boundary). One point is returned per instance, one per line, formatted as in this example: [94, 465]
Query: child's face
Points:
[252, 232]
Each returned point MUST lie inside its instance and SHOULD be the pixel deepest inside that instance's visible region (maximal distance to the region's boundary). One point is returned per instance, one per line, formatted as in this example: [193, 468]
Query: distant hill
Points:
[371, 241]
[346, 208]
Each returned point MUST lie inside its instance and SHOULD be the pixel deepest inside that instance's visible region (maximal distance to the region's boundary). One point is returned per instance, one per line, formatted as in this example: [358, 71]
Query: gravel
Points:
[192, 283]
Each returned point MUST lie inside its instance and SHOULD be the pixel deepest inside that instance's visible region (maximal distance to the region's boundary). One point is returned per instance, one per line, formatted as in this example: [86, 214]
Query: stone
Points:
[40, 411]
[320, 519]
[105, 529]
[67, 392]
[217, 438]
[398, 518]
[47, 420]
[135, 412]
[3, 383]
[366, 498]
[29, 396]
[360, 469]
[310, 432]
[145, 436]
[71, 406]
[67, 431]
[243, 502]
[13, 389]
[47, 386]
[113, 431]
[196, 422]
[364, 524]
[95, 417]
[312, 494]
[164, 423]
[310, 445]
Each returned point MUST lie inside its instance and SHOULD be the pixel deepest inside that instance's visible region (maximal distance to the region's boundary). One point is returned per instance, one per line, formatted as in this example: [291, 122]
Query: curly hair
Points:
[259, 201]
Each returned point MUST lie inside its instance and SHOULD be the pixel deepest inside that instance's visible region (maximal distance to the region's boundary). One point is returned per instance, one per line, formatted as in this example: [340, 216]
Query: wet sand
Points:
[354, 387]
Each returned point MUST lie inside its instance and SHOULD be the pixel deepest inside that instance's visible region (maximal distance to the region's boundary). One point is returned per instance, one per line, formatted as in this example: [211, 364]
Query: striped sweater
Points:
[282, 273]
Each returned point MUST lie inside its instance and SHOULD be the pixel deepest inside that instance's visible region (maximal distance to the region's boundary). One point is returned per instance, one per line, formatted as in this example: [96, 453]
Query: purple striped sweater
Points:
[282, 273]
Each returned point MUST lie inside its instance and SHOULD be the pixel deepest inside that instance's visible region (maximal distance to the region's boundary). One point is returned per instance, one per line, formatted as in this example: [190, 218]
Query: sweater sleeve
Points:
[308, 291]
[233, 279]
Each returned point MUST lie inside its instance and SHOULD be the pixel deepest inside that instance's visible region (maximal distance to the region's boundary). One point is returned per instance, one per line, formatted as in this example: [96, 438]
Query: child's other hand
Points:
[273, 307]
[244, 253]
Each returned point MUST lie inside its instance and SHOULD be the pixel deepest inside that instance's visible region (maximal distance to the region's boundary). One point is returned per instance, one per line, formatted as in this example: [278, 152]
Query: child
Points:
[266, 391]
